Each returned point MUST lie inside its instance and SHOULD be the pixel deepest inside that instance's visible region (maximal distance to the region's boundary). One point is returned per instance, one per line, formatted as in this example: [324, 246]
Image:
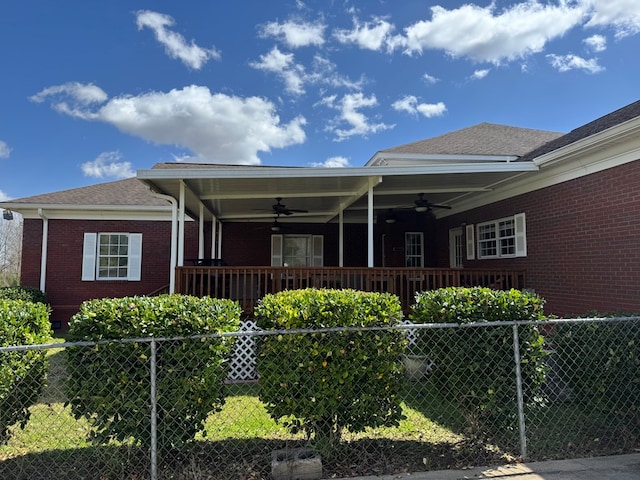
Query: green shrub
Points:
[109, 384]
[602, 365]
[22, 374]
[474, 366]
[323, 383]
[28, 294]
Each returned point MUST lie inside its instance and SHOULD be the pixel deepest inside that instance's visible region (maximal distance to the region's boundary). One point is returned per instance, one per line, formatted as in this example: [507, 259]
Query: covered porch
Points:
[248, 284]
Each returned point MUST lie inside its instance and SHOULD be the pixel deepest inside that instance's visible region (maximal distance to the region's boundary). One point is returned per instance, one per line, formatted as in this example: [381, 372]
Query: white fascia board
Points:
[619, 133]
[317, 172]
[389, 158]
[91, 212]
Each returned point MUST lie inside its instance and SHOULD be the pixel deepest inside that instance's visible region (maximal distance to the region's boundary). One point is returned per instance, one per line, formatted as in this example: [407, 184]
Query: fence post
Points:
[154, 414]
[516, 356]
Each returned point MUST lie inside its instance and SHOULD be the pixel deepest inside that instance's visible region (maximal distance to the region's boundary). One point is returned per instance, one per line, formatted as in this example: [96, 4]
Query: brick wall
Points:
[583, 241]
[64, 286]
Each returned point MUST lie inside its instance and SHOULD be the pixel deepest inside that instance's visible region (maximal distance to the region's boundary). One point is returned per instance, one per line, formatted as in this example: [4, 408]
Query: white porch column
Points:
[214, 226]
[370, 225]
[201, 232]
[181, 209]
[219, 241]
[341, 238]
[43, 253]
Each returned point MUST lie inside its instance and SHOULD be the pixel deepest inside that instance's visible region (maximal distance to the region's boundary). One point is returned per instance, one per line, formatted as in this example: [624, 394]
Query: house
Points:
[489, 204]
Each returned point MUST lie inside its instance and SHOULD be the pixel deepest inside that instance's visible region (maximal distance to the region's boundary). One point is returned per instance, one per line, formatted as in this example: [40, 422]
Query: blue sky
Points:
[92, 91]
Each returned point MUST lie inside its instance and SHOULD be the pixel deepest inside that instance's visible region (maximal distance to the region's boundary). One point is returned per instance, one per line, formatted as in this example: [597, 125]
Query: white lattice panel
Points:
[243, 362]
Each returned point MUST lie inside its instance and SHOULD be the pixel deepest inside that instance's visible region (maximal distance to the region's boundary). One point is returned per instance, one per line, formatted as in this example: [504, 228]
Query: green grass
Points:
[237, 442]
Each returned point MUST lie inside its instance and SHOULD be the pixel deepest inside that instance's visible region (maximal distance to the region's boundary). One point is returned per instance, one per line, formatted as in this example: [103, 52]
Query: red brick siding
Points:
[583, 241]
[64, 286]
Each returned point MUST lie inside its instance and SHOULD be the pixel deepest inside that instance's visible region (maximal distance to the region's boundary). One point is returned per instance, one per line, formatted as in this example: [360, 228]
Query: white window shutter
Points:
[471, 242]
[89, 257]
[318, 250]
[521, 235]
[135, 257]
[276, 250]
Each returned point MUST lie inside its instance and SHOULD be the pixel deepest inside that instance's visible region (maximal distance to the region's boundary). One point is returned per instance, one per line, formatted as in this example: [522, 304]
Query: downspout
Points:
[174, 235]
[43, 253]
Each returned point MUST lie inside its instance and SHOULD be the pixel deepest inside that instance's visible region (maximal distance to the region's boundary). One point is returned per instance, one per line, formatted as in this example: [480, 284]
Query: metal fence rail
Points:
[588, 404]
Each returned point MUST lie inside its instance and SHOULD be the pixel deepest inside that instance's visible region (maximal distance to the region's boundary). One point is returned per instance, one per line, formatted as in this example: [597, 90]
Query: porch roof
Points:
[241, 193]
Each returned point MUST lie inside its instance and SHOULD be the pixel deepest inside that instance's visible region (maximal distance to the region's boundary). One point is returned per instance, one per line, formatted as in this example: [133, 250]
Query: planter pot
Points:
[296, 464]
[417, 367]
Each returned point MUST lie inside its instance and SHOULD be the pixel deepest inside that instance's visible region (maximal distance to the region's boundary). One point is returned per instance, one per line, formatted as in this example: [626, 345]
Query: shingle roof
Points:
[130, 191]
[610, 120]
[481, 139]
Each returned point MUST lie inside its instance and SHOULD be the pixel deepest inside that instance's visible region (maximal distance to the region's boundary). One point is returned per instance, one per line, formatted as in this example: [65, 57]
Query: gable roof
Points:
[127, 192]
[610, 120]
[480, 139]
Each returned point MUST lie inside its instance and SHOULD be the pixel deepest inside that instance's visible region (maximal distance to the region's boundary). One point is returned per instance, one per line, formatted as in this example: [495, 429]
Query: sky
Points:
[93, 91]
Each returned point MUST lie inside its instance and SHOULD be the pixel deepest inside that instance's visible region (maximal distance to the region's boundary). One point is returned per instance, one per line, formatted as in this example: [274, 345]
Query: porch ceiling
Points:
[233, 193]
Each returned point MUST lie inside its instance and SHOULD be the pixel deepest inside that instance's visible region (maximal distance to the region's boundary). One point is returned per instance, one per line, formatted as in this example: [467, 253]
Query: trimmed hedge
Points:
[474, 367]
[28, 294]
[22, 374]
[323, 383]
[109, 384]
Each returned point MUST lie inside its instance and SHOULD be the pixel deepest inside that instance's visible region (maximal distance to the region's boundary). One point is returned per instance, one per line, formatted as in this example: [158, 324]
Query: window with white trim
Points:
[297, 250]
[502, 238]
[112, 256]
[414, 249]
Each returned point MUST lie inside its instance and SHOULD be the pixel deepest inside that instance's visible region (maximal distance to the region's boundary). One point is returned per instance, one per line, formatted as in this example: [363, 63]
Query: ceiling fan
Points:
[280, 209]
[424, 205]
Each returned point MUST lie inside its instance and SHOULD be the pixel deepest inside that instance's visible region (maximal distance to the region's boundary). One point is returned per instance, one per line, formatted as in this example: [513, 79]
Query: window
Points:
[112, 256]
[297, 250]
[501, 238]
[414, 249]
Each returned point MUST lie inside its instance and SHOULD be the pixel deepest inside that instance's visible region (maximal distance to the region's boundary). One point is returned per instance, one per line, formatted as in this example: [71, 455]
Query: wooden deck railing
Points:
[248, 284]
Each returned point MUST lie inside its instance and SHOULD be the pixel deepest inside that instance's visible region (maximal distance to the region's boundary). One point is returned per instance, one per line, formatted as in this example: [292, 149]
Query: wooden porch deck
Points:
[248, 284]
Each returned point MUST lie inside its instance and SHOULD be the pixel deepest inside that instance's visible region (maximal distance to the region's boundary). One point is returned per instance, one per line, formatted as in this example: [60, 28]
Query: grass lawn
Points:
[237, 442]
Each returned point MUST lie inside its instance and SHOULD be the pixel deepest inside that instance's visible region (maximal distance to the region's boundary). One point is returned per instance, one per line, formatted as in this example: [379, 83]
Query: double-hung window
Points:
[502, 238]
[112, 256]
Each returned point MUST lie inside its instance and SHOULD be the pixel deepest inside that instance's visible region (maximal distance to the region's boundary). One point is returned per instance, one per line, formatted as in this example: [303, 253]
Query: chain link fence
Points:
[463, 404]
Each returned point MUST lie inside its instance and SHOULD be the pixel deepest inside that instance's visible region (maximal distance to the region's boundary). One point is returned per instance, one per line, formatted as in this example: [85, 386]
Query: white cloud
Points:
[596, 43]
[4, 197]
[5, 151]
[74, 98]
[175, 44]
[372, 35]
[622, 15]
[564, 63]
[108, 164]
[295, 34]
[409, 104]
[349, 107]
[217, 128]
[430, 78]
[480, 74]
[295, 76]
[333, 162]
[284, 66]
[485, 35]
